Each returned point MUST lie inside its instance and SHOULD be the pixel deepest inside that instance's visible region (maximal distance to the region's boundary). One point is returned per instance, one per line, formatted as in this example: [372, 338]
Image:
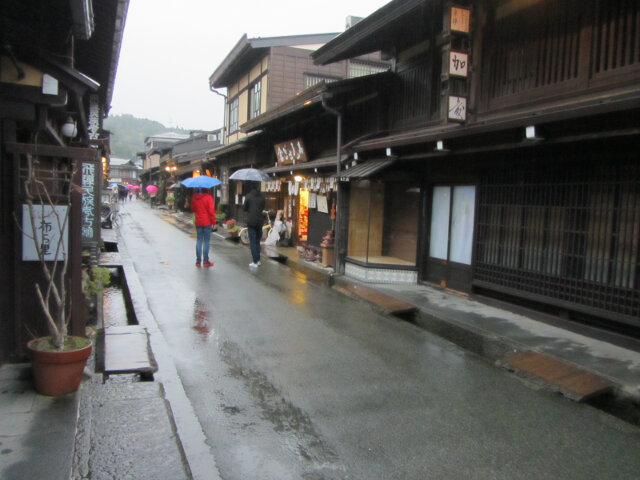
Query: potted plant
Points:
[170, 201]
[232, 227]
[58, 359]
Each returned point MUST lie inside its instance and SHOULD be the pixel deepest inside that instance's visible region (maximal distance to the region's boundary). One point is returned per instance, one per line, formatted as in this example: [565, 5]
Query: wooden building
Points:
[57, 70]
[508, 160]
[259, 75]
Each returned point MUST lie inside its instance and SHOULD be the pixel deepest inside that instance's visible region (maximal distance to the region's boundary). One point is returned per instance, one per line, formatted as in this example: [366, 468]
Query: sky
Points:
[170, 49]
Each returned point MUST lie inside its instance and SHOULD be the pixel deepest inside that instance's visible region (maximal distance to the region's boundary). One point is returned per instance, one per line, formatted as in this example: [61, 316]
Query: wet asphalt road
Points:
[292, 380]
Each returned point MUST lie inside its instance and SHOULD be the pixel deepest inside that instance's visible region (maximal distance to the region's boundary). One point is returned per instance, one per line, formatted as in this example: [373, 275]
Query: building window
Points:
[254, 100]
[360, 69]
[311, 79]
[233, 116]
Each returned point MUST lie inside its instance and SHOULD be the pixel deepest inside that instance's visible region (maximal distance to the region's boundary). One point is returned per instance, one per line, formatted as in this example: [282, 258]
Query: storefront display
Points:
[383, 223]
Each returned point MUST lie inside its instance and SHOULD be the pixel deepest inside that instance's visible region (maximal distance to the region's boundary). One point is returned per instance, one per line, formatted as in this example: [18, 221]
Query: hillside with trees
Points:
[128, 133]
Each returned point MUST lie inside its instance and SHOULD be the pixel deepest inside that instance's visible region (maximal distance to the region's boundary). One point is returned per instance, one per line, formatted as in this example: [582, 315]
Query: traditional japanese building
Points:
[259, 74]
[507, 163]
[57, 70]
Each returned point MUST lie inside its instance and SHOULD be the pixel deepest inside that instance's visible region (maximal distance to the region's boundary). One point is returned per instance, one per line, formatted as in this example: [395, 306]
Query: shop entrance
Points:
[451, 236]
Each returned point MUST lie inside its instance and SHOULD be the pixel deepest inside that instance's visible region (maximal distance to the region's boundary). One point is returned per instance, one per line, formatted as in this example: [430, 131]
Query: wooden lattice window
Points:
[571, 236]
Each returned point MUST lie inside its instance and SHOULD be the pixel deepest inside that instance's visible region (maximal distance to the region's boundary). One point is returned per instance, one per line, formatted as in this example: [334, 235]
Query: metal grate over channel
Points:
[572, 235]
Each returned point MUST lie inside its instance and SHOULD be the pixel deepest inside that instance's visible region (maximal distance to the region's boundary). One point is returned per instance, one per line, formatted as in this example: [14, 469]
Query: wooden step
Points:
[389, 305]
[571, 381]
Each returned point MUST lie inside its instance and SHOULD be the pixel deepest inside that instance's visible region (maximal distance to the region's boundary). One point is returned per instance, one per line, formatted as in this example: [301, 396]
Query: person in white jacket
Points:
[279, 226]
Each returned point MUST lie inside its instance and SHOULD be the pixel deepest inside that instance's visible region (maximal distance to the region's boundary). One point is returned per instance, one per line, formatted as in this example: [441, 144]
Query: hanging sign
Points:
[51, 223]
[93, 120]
[90, 179]
[458, 64]
[322, 204]
[290, 152]
[460, 19]
[457, 108]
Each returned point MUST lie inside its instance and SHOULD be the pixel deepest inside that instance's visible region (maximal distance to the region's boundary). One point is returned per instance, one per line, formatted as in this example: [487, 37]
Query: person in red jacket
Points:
[203, 206]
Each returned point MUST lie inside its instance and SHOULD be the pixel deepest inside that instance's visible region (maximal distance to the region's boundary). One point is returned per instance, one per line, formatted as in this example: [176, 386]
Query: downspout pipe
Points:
[339, 266]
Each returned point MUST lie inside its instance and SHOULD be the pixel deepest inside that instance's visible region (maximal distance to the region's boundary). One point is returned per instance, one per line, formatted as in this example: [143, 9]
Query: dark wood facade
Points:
[58, 61]
[533, 195]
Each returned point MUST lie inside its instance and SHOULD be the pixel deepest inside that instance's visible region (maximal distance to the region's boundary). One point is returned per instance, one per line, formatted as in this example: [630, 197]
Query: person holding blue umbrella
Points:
[204, 209]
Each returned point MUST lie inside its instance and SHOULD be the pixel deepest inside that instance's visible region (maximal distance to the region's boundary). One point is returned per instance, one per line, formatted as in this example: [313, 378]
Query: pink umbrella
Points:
[151, 188]
[133, 187]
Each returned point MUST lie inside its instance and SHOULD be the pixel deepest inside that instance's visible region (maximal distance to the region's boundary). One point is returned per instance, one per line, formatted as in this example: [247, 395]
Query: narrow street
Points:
[292, 380]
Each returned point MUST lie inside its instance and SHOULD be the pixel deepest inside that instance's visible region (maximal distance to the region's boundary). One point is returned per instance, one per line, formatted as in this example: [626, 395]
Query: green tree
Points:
[128, 134]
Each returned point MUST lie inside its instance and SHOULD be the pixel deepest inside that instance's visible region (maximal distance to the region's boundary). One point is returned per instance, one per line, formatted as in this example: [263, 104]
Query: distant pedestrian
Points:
[203, 206]
[254, 206]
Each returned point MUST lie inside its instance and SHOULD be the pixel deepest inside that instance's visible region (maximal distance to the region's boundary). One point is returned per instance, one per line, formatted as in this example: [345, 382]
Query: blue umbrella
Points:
[201, 182]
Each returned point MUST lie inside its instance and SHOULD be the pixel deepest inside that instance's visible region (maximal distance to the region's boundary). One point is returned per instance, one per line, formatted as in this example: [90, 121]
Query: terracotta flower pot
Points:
[57, 373]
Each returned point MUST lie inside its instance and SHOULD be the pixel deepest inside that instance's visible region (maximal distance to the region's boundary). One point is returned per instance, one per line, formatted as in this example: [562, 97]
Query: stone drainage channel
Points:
[122, 346]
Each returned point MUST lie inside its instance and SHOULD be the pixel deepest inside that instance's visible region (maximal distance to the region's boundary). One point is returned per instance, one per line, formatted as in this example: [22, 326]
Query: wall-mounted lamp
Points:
[298, 178]
[69, 128]
[530, 133]
[388, 152]
[440, 146]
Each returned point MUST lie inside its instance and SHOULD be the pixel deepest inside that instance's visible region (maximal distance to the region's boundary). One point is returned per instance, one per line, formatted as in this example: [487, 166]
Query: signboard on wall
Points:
[290, 152]
[90, 206]
[93, 119]
[457, 108]
[460, 19]
[458, 64]
[51, 223]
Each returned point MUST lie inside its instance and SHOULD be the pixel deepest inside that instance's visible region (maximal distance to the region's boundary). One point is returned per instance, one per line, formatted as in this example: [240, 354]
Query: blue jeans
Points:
[255, 235]
[202, 243]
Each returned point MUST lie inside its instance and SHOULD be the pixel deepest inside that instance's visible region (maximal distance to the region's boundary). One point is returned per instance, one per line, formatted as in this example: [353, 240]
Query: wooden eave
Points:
[392, 25]
[623, 101]
[249, 50]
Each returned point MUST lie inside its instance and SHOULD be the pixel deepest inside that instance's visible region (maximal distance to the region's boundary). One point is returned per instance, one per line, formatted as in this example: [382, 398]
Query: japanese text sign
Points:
[51, 232]
[90, 175]
[457, 108]
[460, 19]
[290, 152]
[458, 64]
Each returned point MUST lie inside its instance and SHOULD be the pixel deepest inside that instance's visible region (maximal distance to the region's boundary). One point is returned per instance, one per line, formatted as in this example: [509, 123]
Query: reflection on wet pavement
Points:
[200, 319]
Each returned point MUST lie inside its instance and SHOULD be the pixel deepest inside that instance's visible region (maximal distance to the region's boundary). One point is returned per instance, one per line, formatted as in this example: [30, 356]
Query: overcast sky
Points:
[170, 49]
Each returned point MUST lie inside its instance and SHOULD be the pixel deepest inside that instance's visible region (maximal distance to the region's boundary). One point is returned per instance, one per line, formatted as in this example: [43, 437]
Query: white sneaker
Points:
[258, 264]
[252, 265]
